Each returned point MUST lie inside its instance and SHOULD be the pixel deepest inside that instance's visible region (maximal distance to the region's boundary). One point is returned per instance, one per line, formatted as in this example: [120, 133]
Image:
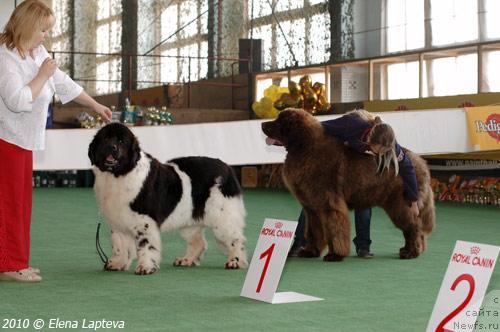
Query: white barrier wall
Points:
[243, 143]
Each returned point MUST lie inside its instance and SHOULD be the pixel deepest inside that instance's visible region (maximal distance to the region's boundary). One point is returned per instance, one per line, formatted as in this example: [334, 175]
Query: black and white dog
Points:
[141, 197]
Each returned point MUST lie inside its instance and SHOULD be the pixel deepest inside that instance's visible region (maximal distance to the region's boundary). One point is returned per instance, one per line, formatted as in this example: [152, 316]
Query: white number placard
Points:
[463, 288]
[267, 264]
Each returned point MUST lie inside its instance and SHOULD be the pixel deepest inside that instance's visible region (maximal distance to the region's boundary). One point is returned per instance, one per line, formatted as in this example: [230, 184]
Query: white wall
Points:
[420, 131]
[6, 8]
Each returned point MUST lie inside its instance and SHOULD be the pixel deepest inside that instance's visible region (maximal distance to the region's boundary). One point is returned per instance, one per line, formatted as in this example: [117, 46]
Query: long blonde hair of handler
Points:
[28, 80]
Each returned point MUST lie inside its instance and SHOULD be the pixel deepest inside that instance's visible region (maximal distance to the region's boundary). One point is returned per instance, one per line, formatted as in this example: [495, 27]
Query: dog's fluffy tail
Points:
[229, 184]
[428, 213]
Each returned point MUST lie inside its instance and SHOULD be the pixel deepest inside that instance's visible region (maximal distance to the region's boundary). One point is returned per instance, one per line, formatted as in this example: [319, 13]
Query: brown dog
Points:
[328, 178]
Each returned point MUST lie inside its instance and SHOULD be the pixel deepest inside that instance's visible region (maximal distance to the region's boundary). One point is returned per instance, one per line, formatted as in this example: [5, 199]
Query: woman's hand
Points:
[414, 209]
[48, 68]
[103, 111]
[87, 101]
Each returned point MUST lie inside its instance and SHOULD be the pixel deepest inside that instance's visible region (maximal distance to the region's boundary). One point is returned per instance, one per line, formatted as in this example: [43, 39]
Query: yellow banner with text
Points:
[484, 127]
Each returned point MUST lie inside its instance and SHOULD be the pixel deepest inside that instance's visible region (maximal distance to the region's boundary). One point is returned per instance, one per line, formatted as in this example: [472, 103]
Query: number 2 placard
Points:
[267, 264]
[463, 287]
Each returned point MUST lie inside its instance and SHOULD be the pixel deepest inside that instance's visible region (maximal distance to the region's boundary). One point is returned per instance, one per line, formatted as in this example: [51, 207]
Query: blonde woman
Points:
[28, 80]
[362, 132]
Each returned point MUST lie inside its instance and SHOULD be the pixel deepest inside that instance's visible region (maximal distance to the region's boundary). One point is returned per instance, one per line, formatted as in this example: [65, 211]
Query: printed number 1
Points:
[268, 253]
[472, 286]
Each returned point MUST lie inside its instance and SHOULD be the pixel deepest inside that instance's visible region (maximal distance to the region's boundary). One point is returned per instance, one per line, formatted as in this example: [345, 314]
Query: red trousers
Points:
[16, 168]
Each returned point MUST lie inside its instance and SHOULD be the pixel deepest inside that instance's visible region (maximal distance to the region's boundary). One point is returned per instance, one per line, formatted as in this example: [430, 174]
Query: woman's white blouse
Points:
[22, 119]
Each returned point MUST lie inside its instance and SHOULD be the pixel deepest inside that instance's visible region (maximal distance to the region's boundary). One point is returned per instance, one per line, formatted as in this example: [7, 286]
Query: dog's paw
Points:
[308, 252]
[114, 266]
[143, 269]
[408, 253]
[333, 258]
[183, 261]
[233, 264]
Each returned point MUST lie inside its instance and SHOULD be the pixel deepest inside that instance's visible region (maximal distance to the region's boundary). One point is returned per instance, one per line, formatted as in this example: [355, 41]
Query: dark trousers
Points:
[362, 220]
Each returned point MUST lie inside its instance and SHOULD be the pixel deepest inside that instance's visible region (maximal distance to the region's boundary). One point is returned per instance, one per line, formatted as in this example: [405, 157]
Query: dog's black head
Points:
[293, 128]
[114, 149]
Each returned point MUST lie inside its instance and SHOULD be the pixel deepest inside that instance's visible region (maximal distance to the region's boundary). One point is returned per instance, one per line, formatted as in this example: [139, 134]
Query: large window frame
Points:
[184, 48]
[438, 20]
[300, 20]
[60, 34]
[373, 72]
[108, 46]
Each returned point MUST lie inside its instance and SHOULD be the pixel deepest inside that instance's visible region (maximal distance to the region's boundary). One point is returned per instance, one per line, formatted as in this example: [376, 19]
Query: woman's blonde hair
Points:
[28, 16]
[383, 135]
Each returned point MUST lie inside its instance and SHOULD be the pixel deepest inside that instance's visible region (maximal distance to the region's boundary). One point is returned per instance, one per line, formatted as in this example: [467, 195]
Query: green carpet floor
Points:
[382, 294]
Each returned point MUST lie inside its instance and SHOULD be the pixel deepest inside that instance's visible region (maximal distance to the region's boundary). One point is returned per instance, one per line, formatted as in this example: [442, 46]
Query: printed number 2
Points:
[472, 286]
[268, 253]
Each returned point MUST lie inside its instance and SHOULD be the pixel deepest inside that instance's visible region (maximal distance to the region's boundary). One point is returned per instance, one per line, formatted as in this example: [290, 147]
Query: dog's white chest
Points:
[114, 195]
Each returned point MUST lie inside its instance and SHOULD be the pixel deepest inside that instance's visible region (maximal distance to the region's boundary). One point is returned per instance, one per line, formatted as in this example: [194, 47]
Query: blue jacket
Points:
[353, 131]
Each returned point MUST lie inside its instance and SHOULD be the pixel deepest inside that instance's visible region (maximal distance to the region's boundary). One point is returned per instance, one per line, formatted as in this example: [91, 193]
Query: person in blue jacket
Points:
[362, 132]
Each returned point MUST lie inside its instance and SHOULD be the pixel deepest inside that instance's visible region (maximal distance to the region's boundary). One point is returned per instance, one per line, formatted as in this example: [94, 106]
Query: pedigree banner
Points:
[484, 127]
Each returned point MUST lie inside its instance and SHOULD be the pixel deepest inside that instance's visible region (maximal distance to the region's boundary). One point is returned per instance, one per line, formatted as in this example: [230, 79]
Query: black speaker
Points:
[250, 49]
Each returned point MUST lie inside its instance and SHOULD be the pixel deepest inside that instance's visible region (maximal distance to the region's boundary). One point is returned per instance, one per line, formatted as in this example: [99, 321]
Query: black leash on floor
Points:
[100, 251]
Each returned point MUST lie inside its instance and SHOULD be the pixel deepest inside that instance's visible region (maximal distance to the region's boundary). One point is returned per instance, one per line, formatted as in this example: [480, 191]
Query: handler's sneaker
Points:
[24, 275]
[364, 253]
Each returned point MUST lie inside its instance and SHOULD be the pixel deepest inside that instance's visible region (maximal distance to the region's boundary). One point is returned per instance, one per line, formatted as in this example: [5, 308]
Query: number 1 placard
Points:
[267, 264]
[463, 288]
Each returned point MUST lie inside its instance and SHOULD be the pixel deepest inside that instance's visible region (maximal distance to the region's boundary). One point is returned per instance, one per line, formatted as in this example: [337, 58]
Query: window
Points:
[402, 80]
[60, 34]
[453, 21]
[450, 22]
[319, 50]
[109, 34]
[454, 75]
[261, 86]
[184, 34]
[295, 32]
[281, 6]
[169, 66]
[396, 77]
[492, 8]
[305, 25]
[491, 63]
[405, 25]
[189, 68]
